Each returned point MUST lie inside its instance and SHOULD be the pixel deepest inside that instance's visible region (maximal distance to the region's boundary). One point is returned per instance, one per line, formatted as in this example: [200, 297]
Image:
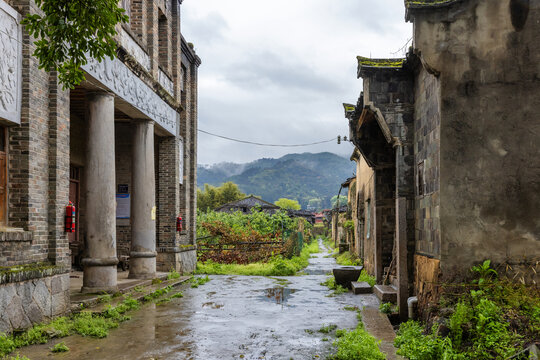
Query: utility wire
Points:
[262, 144]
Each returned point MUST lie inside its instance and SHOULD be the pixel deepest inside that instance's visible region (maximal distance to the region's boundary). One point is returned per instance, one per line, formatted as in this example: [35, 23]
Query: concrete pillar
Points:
[142, 258]
[100, 263]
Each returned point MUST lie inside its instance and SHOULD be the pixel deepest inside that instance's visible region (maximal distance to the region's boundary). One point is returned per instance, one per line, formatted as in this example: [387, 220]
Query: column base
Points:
[181, 260]
[142, 267]
[97, 279]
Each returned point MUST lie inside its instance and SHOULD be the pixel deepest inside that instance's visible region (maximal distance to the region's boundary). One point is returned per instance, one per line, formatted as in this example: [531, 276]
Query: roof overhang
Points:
[372, 137]
[416, 6]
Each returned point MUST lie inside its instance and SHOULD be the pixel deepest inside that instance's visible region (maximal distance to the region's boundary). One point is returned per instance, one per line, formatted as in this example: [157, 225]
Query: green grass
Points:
[277, 266]
[356, 344]
[85, 323]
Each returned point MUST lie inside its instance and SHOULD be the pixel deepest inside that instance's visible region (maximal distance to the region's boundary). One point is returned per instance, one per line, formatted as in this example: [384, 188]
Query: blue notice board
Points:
[123, 206]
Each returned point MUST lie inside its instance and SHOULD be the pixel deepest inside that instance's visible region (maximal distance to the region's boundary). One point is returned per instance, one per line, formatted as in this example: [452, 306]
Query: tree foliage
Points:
[212, 197]
[342, 200]
[288, 204]
[70, 32]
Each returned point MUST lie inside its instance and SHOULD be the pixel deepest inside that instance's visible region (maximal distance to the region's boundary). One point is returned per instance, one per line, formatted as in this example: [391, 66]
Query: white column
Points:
[142, 258]
[100, 263]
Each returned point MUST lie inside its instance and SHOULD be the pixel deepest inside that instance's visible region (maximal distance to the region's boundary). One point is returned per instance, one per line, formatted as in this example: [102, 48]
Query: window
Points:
[163, 41]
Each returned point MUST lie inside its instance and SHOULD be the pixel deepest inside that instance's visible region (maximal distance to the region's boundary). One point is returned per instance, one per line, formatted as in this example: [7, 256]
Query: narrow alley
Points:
[230, 317]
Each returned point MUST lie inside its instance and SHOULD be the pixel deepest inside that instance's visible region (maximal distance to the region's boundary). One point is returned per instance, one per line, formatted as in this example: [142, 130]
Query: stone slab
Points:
[385, 293]
[361, 288]
[378, 325]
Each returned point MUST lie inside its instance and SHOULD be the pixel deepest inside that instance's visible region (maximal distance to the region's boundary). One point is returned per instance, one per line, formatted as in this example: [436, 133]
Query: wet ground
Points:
[230, 317]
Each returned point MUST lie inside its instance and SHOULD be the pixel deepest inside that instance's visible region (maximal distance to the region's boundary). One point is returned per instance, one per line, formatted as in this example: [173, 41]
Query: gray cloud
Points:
[270, 69]
[209, 27]
[277, 72]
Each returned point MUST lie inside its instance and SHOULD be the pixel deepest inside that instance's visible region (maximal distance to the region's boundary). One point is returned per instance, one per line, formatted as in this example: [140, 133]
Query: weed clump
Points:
[173, 274]
[328, 328]
[330, 283]
[365, 277]
[356, 344]
[348, 259]
[196, 282]
[60, 347]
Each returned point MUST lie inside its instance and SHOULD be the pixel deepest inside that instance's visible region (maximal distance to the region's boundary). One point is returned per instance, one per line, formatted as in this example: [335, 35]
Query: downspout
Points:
[411, 302]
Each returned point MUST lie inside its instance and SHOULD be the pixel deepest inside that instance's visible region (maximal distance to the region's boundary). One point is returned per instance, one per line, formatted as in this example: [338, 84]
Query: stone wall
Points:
[33, 301]
[427, 167]
[487, 56]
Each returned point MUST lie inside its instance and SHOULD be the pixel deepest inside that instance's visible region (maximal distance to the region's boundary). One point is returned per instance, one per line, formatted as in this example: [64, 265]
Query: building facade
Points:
[121, 147]
[449, 134]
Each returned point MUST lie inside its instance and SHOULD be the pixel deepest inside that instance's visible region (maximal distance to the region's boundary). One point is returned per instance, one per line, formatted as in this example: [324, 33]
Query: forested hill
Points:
[295, 176]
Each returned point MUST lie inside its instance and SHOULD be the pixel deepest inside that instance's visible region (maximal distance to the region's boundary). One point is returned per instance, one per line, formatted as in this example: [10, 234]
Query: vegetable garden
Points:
[238, 238]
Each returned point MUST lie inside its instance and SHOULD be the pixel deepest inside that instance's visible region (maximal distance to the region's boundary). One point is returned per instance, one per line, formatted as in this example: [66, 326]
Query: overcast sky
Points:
[278, 71]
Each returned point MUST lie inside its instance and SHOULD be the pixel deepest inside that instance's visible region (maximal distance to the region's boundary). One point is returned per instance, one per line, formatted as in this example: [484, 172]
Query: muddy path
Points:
[230, 317]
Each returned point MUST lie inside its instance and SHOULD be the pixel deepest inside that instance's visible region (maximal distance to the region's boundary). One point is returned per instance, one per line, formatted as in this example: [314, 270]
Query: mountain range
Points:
[301, 177]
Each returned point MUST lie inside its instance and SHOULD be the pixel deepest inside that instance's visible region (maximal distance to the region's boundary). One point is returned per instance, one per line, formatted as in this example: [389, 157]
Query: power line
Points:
[263, 144]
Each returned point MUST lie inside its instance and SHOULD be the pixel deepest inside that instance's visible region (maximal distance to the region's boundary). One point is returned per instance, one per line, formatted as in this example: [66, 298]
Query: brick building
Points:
[448, 173]
[121, 147]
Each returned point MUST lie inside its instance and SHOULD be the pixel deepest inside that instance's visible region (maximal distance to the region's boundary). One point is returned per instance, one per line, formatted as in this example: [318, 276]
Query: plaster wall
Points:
[489, 65]
[365, 178]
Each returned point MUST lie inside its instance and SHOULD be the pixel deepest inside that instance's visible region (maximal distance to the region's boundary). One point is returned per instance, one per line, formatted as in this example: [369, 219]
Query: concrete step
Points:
[361, 287]
[385, 293]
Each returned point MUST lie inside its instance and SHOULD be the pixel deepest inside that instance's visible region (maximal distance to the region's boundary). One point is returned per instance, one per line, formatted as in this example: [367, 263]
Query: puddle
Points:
[212, 305]
[279, 295]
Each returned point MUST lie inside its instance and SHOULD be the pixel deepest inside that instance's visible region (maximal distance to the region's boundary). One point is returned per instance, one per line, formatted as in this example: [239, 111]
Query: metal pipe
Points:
[413, 300]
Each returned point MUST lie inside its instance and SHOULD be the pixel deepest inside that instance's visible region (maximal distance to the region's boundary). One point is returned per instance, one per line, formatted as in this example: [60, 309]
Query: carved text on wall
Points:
[10, 64]
[118, 78]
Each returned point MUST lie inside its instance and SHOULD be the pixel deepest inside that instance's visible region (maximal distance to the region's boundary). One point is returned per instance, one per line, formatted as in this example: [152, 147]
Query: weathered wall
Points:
[489, 64]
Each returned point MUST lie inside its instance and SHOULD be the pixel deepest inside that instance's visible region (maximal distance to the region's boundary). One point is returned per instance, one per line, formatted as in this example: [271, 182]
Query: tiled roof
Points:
[249, 202]
[427, 3]
[380, 63]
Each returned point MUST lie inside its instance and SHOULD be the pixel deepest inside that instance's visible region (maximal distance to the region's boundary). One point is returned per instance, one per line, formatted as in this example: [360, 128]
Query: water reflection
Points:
[279, 295]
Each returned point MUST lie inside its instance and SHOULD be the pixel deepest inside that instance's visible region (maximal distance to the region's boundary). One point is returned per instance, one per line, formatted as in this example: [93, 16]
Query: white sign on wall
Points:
[181, 160]
[123, 206]
[10, 63]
